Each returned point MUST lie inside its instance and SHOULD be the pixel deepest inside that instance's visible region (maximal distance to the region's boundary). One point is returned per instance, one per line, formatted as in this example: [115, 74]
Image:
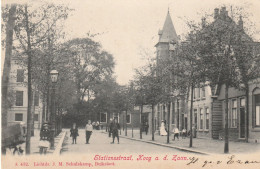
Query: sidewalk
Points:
[35, 142]
[200, 145]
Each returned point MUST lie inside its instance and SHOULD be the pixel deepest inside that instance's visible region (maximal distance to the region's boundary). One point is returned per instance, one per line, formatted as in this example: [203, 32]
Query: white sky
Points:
[129, 26]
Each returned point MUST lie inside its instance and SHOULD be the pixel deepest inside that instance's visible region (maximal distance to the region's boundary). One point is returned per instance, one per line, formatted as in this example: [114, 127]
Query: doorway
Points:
[242, 123]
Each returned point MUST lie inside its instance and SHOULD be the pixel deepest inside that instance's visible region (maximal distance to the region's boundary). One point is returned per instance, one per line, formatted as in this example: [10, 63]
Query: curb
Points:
[59, 145]
[166, 145]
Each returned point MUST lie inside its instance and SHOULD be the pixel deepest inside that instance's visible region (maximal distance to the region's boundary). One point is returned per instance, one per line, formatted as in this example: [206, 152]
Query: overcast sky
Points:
[130, 26]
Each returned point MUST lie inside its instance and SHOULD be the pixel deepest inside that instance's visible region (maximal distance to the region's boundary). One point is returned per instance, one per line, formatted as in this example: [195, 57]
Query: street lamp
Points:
[54, 77]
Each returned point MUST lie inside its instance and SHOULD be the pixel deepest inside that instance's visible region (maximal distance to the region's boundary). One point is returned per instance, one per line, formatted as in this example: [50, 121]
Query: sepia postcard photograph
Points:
[110, 84]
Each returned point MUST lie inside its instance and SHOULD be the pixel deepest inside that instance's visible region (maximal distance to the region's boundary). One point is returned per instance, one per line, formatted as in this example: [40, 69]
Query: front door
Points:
[186, 123]
[242, 123]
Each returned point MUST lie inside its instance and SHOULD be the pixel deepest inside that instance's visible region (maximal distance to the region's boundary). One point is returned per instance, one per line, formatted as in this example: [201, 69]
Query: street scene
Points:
[170, 77]
[98, 139]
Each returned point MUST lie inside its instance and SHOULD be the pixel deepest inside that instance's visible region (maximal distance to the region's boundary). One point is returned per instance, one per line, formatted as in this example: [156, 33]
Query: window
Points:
[234, 114]
[36, 99]
[18, 117]
[207, 118]
[20, 75]
[201, 118]
[257, 115]
[242, 102]
[257, 110]
[103, 117]
[128, 118]
[198, 93]
[203, 92]
[36, 117]
[195, 117]
[19, 98]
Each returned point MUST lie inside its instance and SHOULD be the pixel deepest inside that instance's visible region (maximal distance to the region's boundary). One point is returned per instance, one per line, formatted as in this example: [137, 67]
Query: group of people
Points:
[74, 133]
[176, 132]
[96, 125]
[113, 129]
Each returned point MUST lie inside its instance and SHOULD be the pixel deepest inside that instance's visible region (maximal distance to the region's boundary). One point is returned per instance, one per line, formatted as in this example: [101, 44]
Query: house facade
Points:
[202, 111]
[237, 113]
[17, 90]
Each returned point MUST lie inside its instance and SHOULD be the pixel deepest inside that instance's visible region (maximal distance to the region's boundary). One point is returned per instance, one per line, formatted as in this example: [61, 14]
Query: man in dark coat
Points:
[146, 127]
[114, 127]
[74, 133]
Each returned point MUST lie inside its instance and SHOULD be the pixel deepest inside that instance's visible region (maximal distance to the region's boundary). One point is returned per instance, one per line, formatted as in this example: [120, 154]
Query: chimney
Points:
[240, 22]
[216, 13]
[203, 22]
[223, 13]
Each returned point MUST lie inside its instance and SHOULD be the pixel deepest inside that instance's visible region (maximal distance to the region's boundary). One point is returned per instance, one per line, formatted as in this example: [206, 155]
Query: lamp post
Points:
[54, 77]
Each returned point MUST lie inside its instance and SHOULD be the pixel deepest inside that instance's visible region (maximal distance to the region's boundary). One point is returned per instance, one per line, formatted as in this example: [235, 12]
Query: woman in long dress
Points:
[162, 129]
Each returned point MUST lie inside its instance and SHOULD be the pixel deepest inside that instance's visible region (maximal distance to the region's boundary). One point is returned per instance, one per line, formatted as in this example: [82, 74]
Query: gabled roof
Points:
[168, 32]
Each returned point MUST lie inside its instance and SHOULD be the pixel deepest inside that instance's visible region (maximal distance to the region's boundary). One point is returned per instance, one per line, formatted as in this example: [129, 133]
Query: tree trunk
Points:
[152, 122]
[47, 115]
[33, 112]
[132, 130]
[7, 62]
[126, 123]
[108, 124]
[29, 67]
[191, 110]
[43, 107]
[141, 112]
[168, 119]
[226, 147]
[247, 112]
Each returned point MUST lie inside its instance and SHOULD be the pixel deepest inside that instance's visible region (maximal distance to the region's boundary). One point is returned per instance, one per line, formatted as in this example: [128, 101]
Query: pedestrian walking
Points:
[146, 127]
[89, 130]
[109, 127]
[74, 133]
[176, 133]
[114, 127]
[44, 138]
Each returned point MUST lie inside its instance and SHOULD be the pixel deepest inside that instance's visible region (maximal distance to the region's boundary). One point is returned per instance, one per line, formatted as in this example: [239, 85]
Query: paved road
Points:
[100, 143]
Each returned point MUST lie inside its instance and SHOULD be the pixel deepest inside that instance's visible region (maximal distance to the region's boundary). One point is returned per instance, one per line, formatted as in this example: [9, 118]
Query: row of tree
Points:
[35, 37]
[219, 52]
